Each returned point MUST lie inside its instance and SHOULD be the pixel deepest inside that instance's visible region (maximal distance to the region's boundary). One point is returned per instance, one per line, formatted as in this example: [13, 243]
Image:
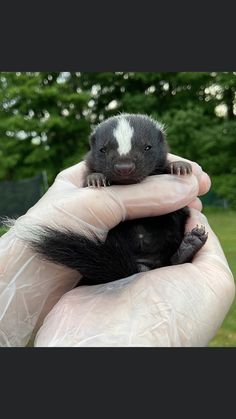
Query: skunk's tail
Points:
[96, 260]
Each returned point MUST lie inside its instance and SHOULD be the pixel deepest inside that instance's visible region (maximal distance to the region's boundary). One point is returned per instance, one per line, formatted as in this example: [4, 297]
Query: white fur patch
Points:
[123, 134]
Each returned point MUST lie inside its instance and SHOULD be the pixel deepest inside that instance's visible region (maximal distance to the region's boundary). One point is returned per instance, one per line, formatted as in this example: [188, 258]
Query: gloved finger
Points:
[74, 174]
[67, 204]
[156, 195]
[203, 178]
[204, 184]
[196, 203]
[72, 207]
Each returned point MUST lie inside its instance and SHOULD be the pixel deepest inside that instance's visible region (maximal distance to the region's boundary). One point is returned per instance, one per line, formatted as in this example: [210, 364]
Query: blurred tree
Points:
[41, 123]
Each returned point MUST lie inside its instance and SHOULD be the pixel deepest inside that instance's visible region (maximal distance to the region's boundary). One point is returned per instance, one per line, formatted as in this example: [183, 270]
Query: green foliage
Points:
[45, 118]
[41, 123]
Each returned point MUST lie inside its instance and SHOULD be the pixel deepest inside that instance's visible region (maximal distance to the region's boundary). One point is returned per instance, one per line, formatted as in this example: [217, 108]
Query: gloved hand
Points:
[180, 305]
[30, 287]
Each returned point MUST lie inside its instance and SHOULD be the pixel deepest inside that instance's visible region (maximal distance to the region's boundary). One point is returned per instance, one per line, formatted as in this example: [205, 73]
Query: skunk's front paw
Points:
[180, 168]
[96, 180]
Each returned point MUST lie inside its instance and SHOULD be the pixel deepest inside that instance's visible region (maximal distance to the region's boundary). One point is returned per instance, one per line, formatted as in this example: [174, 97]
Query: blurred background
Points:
[46, 118]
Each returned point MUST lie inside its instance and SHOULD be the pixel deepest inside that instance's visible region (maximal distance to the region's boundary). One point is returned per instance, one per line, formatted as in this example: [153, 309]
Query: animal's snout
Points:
[124, 169]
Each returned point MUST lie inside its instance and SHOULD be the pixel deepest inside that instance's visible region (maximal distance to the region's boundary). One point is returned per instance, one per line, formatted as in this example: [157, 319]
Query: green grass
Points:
[223, 222]
[3, 230]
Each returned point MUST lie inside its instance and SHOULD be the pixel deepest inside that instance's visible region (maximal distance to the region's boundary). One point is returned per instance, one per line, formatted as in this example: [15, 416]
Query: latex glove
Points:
[180, 305]
[29, 287]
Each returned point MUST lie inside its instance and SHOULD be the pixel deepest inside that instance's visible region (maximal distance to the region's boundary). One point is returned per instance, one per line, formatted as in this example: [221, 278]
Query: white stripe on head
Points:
[123, 134]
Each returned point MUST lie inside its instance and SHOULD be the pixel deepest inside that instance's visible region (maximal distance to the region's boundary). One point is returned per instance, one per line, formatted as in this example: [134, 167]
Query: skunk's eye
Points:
[103, 150]
[147, 147]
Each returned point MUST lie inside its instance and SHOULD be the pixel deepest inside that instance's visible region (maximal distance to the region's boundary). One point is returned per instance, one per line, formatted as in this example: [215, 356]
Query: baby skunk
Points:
[124, 149]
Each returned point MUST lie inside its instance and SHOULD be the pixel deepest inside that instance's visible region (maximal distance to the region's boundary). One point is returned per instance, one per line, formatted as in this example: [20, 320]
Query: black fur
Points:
[146, 133]
[135, 245]
[86, 255]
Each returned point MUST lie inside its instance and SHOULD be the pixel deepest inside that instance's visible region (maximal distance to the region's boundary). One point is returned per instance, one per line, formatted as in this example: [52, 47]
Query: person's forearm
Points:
[29, 288]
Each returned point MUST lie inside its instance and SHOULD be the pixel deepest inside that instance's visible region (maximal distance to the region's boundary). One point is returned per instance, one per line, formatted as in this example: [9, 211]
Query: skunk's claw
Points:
[180, 168]
[96, 180]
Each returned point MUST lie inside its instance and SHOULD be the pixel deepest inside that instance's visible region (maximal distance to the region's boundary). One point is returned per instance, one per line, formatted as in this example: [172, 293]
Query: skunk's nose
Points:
[124, 169]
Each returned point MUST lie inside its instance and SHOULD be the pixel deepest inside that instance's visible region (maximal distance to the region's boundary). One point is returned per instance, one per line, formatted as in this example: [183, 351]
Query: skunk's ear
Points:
[162, 132]
[92, 140]
[162, 140]
[161, 136]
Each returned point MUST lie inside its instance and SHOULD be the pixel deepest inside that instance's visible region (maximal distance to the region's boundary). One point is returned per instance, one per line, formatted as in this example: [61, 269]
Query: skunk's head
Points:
[127, 148]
